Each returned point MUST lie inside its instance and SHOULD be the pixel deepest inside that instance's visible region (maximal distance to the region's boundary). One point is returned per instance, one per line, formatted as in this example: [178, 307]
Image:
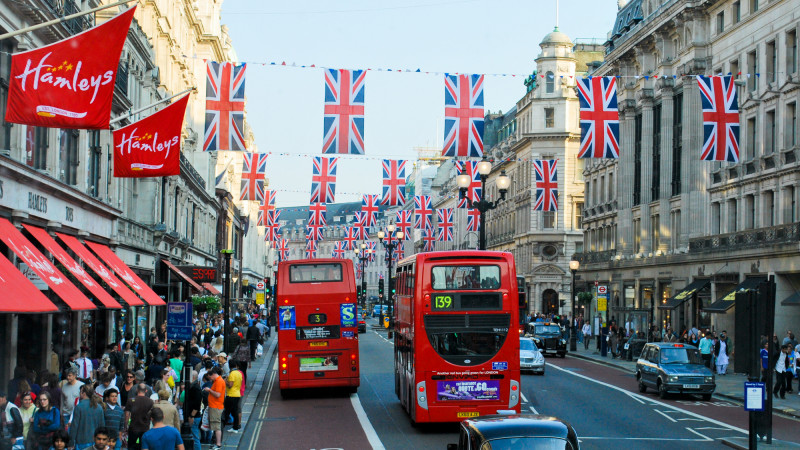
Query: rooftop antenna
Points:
[556, 14]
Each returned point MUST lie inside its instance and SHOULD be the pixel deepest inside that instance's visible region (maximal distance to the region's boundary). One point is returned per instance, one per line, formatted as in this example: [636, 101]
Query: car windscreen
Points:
[680, 355]
[546, 329]
[527, 344]
[470, 277]
[315, 273]
[526, 443]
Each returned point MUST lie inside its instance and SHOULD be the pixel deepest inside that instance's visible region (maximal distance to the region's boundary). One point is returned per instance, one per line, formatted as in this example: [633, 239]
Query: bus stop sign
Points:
[179, 321]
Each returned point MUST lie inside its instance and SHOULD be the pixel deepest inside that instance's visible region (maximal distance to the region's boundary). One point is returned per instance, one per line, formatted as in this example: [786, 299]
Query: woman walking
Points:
[27, 409]
[86, 417]
[46, 421]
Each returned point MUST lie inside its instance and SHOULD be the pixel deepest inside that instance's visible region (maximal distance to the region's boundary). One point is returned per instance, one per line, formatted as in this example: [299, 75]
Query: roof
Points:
[498, 426]
[671, 344]
[556, 37]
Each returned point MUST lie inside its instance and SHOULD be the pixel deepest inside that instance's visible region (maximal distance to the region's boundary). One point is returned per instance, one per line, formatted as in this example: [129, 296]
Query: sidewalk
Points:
[729, 387]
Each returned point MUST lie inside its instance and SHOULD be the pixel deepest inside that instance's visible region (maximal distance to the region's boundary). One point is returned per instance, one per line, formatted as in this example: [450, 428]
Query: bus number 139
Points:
[442, 302]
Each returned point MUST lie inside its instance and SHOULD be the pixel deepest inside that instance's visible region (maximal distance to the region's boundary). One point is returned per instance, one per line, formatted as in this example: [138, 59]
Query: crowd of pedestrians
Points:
[131, 396]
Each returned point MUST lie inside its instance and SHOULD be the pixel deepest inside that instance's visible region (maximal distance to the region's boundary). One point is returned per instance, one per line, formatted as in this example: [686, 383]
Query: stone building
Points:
[672, 236]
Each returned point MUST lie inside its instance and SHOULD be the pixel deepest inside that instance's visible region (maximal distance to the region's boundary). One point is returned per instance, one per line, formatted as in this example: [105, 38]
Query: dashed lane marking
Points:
[665, 415]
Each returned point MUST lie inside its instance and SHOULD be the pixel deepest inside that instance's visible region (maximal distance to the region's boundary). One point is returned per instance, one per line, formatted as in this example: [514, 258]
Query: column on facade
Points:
[646, 101]
[624, 179]
[665, 188]
[695, 174]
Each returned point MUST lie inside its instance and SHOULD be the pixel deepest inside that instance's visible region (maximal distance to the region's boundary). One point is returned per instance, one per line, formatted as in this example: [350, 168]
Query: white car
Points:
[530, 358]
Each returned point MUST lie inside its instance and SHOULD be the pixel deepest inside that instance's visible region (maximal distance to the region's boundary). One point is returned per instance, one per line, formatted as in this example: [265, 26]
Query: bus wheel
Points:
[352, 389]
[286, 394]
[396, 387]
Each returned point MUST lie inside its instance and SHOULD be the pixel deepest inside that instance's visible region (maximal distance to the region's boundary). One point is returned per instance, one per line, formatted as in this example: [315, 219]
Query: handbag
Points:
[204, 423]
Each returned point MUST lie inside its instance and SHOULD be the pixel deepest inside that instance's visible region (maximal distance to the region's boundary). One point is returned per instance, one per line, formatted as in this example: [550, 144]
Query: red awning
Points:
[125, 272]
[97, 267]
[185, 277]
[210, 288]
[15, 286]
[57, 281]
[50, 244]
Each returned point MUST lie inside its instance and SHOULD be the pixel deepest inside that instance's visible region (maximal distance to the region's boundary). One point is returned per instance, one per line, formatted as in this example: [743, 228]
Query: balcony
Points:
[740, 240]
[594, 257]
[77, 24]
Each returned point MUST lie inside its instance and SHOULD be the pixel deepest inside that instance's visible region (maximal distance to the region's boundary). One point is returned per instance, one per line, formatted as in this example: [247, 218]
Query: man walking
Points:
[780, 373]
[216, 403]
[233, 396]
[706, 347]
[253, 335]
[70, 391]
[10, 423]
[161, 436]
[136, 415]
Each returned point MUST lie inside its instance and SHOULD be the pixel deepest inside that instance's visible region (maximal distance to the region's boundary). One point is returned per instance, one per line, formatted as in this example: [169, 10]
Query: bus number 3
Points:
[443, 302]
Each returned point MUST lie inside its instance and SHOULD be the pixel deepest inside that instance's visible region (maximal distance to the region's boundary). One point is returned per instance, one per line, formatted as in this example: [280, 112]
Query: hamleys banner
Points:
[151, 147]
[69, 84]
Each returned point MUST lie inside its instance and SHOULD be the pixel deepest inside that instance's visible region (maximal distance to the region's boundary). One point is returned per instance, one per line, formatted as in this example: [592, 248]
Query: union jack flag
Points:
[283, 249]
[254, 166]
[403, 222]
[311, 249]
[267, 205]
[370, 205]
[344, 112]
[445, 216]
[423, 212]
[371, 251]
[546, 184]
[463, 115]
[398, 252]
[474, 189]
[273, 226]
[599, 117]
[224, 128]
[473, 220]
[394, 182]
[339, 249]
[360, 230]
[316, 221]
[323, 180]
[720, 119]
[429, 238]
[350, 237]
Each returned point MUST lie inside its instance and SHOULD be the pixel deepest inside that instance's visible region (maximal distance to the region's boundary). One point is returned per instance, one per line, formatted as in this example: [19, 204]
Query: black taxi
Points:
[515, 431]
[548, 338]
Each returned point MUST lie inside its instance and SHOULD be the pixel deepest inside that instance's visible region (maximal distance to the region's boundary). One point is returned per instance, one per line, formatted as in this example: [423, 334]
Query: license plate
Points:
[468, 414]
[691, 386]
[318, 344]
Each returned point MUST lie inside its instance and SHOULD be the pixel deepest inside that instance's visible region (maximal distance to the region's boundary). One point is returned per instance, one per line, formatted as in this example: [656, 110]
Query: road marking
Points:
[372, 436]
[635, 397]
[262, 413]
[663, 414]
[612, 438]
[699, 434]
[525, 400]
[665, 405]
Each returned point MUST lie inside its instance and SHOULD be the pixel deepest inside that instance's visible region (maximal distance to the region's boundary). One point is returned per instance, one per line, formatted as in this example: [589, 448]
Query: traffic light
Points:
[392, 290]
[380, 289]
[268, 284]
[358, 292]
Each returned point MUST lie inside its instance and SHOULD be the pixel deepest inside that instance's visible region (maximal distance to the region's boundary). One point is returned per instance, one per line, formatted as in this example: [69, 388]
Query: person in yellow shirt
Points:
[233, 396]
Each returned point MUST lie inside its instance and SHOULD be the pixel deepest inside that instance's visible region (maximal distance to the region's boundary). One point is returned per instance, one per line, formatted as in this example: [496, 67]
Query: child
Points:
[60, 440]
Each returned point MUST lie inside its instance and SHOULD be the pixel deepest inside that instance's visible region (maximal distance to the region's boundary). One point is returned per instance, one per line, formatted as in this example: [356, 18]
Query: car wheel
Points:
[642, 386]
[662, 390]
[706, 397]
[563, 355]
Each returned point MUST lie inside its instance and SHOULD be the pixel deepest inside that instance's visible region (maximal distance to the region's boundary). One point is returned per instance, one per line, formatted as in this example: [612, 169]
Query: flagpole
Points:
[62, 19]
[127, 116]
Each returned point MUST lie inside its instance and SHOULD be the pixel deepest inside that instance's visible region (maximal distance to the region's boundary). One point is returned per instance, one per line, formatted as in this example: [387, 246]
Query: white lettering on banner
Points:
[84, 84]
[134, 142]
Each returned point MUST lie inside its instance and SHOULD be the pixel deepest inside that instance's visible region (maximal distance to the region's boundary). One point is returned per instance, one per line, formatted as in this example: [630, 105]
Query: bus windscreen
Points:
[472, 277]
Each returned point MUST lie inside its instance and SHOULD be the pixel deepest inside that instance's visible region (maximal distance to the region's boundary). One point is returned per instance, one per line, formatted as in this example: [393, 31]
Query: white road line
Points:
[668, 417]
[263, 411]
[699, 434]
[656, 402]
[612, 438]
[372, 436]
[533, 410]
[525, 400]
[635, 397]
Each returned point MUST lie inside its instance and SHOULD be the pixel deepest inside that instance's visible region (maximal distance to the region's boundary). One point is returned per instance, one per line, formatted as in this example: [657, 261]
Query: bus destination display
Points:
[325, 332]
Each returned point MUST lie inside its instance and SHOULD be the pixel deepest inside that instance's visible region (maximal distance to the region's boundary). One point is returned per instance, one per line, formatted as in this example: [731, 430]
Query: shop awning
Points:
[106, 275]
[183, 276]
[728, 301]
[210, 288]
[685, 294]
[56, 280]
[75, 269]
[792, 300]
[125, 272]
[15, 286]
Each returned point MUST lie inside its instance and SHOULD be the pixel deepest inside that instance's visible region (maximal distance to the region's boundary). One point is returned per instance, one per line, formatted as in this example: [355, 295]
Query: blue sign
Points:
[754, 396]
[503, 365]
[347, 312]
[179, 321]
[348, 334]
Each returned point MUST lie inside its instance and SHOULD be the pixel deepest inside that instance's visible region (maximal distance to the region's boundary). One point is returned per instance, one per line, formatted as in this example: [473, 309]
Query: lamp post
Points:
[573, 337]
[226, 294]
[482, 205]
[362, 258]
[390, 244]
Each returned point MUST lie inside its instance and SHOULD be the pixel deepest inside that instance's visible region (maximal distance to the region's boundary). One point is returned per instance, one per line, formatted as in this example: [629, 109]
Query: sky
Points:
[403, 111]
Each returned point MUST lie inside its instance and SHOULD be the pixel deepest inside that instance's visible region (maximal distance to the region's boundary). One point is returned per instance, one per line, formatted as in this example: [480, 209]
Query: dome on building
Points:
[556, 38]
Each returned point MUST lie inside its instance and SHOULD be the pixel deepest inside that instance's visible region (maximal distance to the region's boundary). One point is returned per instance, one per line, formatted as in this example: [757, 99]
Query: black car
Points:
[674, 368]
[362, 323]
[515, 431]
[547, 336]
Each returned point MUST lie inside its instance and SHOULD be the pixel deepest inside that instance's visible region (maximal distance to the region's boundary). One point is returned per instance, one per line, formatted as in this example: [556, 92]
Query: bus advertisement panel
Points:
[317, 325]
[456, 340]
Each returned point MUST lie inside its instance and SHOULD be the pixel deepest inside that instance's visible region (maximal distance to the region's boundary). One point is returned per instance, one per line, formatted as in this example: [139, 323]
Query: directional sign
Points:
[179, 321]
[260, 286]
[602, 289]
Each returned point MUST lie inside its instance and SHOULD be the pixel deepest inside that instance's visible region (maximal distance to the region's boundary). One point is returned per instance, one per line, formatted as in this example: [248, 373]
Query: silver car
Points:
[530, 358]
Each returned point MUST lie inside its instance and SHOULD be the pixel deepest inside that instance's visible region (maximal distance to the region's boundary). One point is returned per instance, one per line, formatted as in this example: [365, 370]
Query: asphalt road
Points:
[602, 403]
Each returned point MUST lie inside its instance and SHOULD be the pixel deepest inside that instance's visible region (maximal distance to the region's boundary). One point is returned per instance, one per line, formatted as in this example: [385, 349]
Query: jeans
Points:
[580, 336]
[196, 431]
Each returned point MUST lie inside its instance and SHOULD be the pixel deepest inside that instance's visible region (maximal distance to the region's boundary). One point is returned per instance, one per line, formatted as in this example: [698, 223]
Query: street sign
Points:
[259, 298]
[754, 396]
[602, 289]
[260, 285]
[602, 304]
[179, 321]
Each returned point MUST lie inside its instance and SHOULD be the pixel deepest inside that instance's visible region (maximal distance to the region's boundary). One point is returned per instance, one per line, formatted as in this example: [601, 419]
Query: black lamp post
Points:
[482, 205]
[226, 296]
[390, 244]
[362, 256]
[573, 337]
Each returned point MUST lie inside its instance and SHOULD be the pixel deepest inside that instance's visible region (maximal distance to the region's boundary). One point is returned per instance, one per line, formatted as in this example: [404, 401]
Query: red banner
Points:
[151, 147]
[69, 84]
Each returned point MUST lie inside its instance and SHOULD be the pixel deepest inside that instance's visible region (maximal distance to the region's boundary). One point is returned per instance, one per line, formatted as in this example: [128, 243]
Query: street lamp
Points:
[361, 254]
[482, 205]
[573, 337]
[390, 244]
[226, 295]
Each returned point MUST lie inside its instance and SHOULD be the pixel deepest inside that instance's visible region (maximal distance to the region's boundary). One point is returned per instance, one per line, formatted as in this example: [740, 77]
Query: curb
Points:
[739, 399]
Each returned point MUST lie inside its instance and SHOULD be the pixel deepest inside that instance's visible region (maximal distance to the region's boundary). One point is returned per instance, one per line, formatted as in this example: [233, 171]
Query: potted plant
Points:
[585, 298]
[202, 303]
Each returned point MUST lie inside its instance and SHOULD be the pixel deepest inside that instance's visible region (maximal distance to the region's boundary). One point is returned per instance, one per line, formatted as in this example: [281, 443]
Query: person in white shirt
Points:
[85, 367]
[587, 335]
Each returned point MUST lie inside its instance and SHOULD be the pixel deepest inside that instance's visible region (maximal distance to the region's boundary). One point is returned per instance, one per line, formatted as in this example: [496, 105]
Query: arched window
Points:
[550, 82]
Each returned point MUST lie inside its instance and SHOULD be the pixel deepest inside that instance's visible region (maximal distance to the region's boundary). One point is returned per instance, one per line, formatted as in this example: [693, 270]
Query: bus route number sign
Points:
[443, 302]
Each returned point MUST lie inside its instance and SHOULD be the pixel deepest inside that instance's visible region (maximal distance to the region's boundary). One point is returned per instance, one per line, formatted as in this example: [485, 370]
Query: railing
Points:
[500, 238]
[594, 257]
[781, 234]
[191, 172]
[77, 24]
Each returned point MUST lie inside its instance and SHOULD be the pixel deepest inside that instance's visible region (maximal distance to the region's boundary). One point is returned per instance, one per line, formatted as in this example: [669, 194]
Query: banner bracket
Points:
[152, 105]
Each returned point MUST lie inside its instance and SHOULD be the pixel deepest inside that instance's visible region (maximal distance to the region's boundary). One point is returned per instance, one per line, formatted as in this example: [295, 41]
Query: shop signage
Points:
[200, 274]
[33, 277]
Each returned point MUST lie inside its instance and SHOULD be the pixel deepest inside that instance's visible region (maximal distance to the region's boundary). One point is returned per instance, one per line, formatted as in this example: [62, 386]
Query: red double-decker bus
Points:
[317, 324]
[456, 340]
